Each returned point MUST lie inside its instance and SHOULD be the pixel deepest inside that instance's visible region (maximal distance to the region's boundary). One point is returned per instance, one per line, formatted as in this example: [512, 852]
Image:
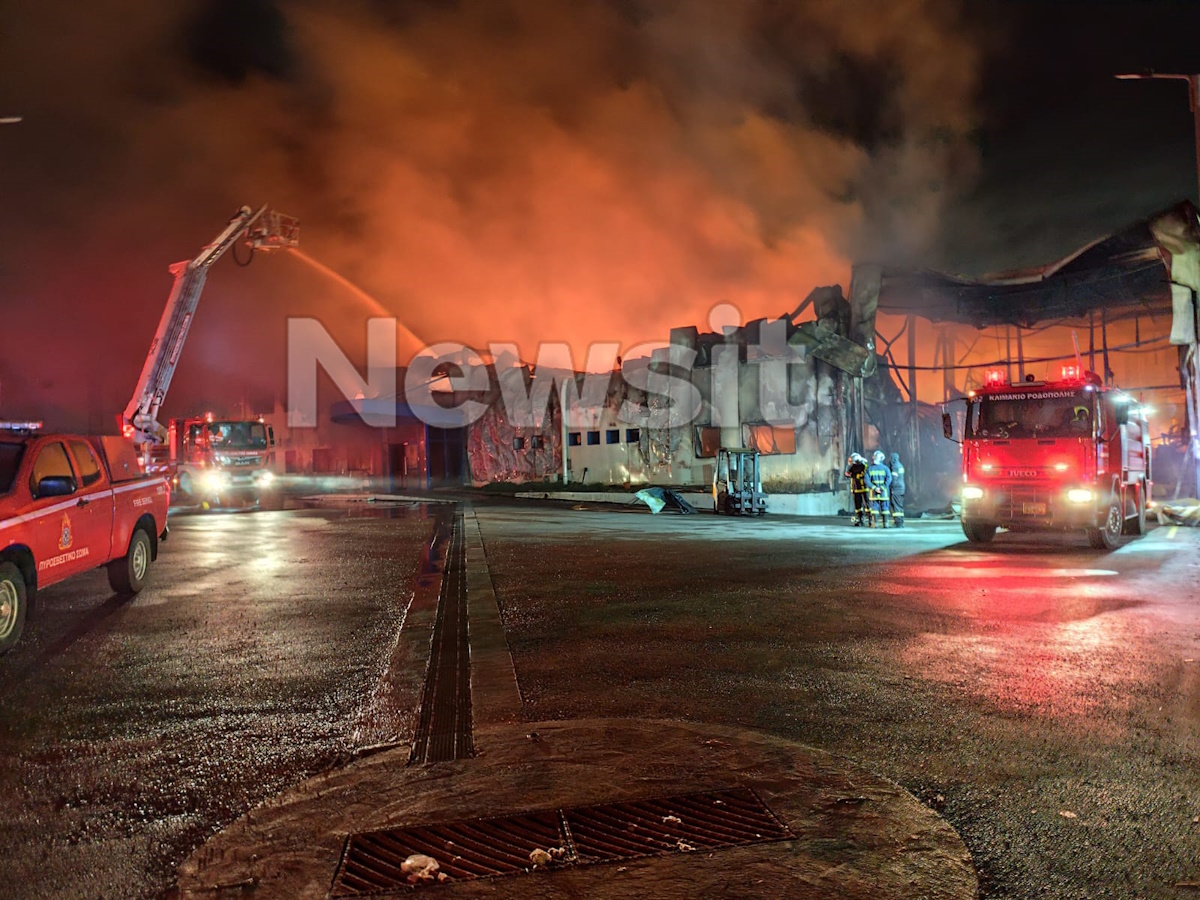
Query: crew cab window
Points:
[51, 462]
[85, 463]
[10, 461]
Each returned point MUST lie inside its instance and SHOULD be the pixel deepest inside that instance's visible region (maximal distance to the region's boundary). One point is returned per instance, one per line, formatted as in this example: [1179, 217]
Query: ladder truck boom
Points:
[262, 229]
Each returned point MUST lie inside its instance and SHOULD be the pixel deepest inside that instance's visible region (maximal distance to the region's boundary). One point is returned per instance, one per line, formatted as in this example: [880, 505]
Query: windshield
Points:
[10, 461]
[237, 435]
[1046, 415]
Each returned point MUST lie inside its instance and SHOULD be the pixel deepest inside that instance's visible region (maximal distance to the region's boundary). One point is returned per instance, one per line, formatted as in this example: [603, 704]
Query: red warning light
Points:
[1070, 373]
[994, 377]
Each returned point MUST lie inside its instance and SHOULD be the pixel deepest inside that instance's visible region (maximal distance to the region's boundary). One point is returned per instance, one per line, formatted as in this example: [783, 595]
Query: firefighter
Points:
[879, 483]
[897, 497]
[856, 471]
[1080, 423]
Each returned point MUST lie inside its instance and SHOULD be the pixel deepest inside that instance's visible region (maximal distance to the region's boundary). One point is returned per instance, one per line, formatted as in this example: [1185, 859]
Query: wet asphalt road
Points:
[131, 731]
[1043, 697]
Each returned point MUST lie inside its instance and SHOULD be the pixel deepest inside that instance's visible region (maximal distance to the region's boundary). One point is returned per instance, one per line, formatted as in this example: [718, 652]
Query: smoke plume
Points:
[488, 169]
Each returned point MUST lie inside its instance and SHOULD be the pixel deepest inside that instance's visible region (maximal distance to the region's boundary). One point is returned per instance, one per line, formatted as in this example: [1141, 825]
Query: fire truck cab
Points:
[1054, 456]
[217, 462]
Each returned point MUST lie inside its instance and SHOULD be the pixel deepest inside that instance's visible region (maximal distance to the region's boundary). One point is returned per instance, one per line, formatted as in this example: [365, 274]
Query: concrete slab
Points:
[857, 835]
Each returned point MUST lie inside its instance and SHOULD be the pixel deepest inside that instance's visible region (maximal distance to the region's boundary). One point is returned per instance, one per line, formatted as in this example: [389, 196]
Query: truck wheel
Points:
[1137, 525]
[127, 575]
[979, 532]
[13, 605]
[1108, 535]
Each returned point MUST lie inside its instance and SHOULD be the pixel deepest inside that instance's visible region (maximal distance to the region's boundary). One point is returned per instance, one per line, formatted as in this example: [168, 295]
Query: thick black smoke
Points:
[489, 169]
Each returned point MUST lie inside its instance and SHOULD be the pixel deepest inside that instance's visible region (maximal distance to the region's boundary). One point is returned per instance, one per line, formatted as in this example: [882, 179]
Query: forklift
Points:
[737, 483]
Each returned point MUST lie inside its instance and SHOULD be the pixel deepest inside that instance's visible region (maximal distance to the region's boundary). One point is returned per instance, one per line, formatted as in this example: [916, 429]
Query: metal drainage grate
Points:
[472, 849]
[689, 822]
[486, 848]
[444, 722]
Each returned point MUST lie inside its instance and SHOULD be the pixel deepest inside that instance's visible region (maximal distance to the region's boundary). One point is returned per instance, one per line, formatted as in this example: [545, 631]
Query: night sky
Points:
[534, 170]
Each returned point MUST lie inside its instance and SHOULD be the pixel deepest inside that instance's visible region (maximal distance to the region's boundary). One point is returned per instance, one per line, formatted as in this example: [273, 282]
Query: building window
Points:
[633, 435]
[574, 439]
[518, 443]
[707, 441]
[612, 436]
[771, 441]
[593, 439]
[538, 442]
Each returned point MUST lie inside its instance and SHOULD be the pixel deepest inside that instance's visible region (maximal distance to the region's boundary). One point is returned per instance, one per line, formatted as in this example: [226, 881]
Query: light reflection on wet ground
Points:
[1001, 684]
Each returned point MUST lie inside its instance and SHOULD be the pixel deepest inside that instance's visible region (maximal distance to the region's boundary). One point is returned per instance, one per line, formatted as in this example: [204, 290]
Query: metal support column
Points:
[914, 455]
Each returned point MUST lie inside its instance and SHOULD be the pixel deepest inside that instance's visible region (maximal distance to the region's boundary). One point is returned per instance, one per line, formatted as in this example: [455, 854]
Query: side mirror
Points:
[948, 426]
[271, 435]
[1122, 414]
[56, 486]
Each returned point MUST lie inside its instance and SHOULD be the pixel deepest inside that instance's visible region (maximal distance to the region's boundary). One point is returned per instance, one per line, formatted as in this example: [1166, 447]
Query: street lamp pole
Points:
[1193, 363]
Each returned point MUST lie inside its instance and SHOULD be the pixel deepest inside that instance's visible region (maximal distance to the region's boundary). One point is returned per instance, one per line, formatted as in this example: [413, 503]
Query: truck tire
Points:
[13, 605]
[1137, 524]
[127, 575]
[1108, 535]
[979, 532]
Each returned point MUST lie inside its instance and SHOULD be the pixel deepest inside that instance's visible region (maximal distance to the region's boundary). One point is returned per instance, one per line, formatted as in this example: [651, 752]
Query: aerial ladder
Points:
[261, 229]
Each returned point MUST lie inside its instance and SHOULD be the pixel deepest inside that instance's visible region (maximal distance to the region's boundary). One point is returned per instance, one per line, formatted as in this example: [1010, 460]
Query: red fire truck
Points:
[216, 461]
[210, 461]
[67, 505]
[1054, 456]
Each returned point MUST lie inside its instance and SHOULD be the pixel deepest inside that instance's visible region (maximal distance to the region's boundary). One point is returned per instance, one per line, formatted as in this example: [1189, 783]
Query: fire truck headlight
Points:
[264, 478]
[214, 480]
[970, 492]
[1079, 495]
[1060, 467]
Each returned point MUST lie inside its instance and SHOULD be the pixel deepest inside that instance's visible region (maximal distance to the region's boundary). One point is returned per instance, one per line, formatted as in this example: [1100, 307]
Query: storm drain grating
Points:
[444, 721]
[486, 848]
[481, 848]
[690, 822]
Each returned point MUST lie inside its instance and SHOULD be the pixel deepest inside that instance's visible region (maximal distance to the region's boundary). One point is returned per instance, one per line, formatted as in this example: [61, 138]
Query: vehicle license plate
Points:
[1033, 509]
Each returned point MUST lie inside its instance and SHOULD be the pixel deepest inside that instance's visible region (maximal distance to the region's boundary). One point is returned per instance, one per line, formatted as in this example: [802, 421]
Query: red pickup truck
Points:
[69, 504]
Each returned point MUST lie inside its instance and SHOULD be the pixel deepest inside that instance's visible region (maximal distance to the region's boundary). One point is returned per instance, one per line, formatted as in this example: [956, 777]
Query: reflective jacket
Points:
[857, 473]
[879, 479]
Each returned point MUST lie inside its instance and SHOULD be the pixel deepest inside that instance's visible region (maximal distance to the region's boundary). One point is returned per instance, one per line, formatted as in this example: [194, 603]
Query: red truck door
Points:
[52, 517]
[93, 519]
[63, 527]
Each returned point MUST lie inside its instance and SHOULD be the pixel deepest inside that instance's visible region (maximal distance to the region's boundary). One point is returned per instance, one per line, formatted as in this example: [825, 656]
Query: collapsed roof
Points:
[1129, 273]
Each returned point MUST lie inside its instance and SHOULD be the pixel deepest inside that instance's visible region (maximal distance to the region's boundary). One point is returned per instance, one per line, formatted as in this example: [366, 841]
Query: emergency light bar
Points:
[24, 427]
[994, 377]
[1071, 373]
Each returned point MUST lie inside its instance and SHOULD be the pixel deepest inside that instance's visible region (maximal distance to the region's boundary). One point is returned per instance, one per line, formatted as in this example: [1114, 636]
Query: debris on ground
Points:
[1184, 511]
[658, 498]
[672, 820]
[420, 867]
[1067, 814]
[539, 857]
